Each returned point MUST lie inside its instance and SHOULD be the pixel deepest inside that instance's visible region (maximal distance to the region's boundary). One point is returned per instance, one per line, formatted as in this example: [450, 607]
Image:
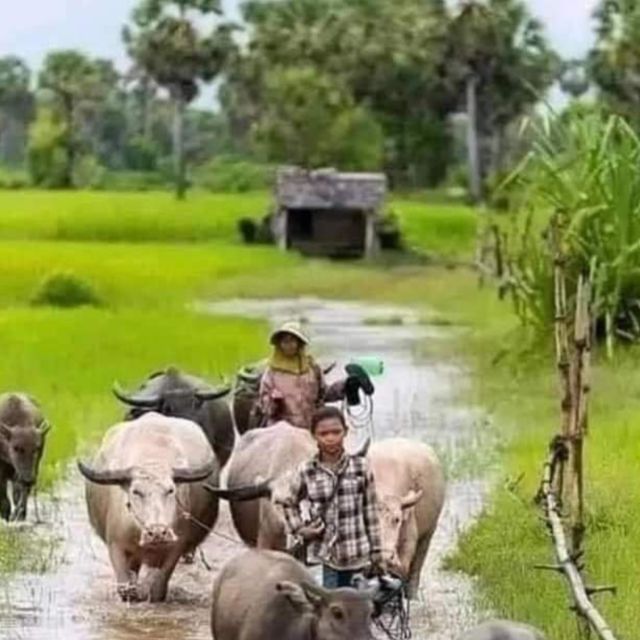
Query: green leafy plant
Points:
[65, 289]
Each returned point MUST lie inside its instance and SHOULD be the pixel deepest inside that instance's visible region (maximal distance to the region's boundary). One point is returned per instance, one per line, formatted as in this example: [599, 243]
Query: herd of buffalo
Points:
[153, 491]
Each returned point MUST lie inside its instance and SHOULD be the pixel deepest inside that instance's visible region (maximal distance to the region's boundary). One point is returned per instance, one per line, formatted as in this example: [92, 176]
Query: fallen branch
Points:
[565, 562]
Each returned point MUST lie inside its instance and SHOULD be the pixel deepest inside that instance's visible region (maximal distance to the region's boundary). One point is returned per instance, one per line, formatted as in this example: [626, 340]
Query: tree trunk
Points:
[473, 142]
[67, 179]
[178, 147]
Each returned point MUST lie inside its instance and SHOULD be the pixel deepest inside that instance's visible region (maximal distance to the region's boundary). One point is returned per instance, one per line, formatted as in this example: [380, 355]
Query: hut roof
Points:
[329, 189]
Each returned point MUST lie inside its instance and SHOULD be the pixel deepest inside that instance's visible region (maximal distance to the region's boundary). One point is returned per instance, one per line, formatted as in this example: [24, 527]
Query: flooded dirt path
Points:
[415, 398]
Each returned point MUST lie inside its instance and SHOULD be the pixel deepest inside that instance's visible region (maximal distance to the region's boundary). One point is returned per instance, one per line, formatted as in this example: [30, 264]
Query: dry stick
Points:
[580, 593]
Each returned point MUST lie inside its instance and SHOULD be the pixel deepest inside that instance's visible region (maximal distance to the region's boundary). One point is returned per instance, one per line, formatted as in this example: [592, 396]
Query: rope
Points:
[360, 417]
[393, 612]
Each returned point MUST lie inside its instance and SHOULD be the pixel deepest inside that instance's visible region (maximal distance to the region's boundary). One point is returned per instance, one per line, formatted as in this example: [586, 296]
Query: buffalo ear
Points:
[44, 427]
[296, 595]
[5, 431]
[411, 499]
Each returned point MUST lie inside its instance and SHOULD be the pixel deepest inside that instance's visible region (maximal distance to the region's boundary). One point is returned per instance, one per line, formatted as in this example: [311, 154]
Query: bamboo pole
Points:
[566, 564]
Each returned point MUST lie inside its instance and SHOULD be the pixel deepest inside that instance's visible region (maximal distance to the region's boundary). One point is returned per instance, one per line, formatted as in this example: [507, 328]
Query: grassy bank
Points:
[438, 228]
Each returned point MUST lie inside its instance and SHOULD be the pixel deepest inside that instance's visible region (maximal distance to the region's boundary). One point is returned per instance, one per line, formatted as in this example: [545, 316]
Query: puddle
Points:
[414, 398]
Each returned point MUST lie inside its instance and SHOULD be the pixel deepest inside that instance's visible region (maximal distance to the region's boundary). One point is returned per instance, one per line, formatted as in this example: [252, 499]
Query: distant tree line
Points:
[357, 84]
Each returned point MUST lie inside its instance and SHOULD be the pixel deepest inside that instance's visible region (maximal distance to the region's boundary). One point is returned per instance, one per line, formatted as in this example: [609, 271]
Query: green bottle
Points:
[373, 365]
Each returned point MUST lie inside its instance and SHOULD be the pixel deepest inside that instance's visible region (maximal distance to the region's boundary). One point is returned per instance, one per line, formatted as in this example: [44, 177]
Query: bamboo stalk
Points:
[565, 562]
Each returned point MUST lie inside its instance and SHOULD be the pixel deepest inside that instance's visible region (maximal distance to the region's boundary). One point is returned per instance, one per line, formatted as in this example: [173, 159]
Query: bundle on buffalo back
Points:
[23, 432]
[503, 630]
[146, 499]
[411, 489]
[181, 395]
[264, 595]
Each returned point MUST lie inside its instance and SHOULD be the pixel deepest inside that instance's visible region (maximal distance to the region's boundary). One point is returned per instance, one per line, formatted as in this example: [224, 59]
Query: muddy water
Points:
[76, 599]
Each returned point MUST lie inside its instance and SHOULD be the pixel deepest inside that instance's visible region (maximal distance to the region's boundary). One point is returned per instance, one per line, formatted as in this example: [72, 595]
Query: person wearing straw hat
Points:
[293, 385]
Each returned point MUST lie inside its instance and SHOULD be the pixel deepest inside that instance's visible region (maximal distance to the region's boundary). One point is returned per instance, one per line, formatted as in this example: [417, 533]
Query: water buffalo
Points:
[273, 454]
[180, 395]
[263, 595]
[411, 489]
[23, 432]
[245, 395]
[503, 630]
[146, 499]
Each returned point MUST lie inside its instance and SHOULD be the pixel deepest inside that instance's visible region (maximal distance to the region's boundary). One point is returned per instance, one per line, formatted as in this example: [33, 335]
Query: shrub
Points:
[228, 174]
[65, 289]
[13, 179]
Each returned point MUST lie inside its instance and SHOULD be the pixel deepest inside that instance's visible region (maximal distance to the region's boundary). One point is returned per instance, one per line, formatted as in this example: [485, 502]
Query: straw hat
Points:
[293, 328]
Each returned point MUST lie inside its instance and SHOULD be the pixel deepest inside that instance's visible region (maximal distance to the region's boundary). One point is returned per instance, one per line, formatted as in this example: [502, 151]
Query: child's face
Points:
[330, 434]
[289, 345]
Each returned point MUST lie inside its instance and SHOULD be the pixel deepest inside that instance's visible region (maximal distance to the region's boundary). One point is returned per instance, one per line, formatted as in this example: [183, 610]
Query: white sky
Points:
[30, 28]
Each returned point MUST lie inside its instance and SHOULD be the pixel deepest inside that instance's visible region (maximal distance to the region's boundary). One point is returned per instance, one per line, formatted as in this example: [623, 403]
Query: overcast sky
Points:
[30, 28]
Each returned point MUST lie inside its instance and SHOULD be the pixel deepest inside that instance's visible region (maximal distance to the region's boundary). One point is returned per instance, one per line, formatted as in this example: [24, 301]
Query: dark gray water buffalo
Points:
[264, 595]
[146, 499]
[245, 395]
[180, 395]
[273, 454]
[503, 630]
[411, 489]
[23, 432]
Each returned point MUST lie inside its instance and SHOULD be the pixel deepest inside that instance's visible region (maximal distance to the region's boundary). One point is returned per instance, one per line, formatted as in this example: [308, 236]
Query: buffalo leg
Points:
[160, 579]
[417, 564]
[5, 504]
[125, 577]
[20, 498]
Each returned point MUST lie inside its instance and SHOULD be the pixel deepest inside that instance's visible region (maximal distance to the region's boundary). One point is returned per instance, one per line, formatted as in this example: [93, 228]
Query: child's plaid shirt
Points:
[344, 500]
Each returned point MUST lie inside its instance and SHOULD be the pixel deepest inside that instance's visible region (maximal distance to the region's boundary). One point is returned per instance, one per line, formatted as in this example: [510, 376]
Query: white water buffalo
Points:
[264, 595]
[259, 472]
[503, 630]
[23, 431]
[411, 489]
[180, 395]
[146, 499]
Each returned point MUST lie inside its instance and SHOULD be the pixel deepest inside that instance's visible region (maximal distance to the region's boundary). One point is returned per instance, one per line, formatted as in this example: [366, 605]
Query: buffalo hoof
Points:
[189, 558]
[130, 592]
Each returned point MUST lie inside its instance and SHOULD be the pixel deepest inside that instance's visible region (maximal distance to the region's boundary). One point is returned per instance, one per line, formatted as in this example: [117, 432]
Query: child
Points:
[342, 525]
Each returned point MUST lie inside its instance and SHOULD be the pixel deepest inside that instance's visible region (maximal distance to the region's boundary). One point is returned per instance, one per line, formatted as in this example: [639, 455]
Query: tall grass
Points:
[583, 174]
[156, 217]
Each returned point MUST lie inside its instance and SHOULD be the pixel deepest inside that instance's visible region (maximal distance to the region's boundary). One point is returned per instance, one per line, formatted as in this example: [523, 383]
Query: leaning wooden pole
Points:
[580, 593]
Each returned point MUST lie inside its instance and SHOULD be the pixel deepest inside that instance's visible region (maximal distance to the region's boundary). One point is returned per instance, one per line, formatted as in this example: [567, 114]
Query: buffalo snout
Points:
[157, 535]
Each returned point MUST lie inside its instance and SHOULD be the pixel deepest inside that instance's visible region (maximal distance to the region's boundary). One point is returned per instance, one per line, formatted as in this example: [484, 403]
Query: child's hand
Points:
[311, 531]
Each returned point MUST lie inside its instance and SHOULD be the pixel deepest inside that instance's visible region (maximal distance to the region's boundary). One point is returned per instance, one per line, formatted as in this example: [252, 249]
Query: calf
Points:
[23, 432]
[267, 594]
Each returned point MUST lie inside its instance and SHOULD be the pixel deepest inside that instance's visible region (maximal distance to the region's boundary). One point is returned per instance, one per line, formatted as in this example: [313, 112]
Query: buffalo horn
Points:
[242, 494]
[44, 427]
[212, 393]
[117, 476]
[249, 377]
[194, 474]
[135, 401]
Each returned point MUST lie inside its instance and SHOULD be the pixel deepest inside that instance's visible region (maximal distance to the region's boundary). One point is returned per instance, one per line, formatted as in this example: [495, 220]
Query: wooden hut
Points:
[328, 213]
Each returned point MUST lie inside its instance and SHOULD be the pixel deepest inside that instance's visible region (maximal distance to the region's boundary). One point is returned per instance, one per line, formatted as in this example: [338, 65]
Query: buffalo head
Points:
[171, 393]
[23, 447]
[337, 614]
[151, 497]
[399, 531]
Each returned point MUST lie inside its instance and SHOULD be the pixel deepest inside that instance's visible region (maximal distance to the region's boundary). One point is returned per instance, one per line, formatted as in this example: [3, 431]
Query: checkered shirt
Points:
[351, 536]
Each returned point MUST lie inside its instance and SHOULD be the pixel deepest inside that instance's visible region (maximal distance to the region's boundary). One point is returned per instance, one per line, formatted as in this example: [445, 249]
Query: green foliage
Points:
[65, 289]
[582, 174]
[614, 61]
[229, 174]
[13, 179]
[310, 120]
[48, 139]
